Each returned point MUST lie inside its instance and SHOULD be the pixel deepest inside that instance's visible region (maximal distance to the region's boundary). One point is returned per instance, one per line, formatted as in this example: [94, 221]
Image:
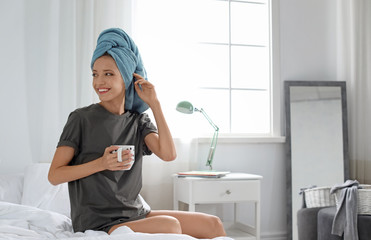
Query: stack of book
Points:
[205, 174]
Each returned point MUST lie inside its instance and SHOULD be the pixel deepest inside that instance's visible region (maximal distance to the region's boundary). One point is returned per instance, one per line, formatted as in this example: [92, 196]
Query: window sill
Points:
[243, 138]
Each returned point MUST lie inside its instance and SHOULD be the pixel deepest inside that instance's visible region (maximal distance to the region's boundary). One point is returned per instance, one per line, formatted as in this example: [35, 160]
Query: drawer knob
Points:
[228, 192]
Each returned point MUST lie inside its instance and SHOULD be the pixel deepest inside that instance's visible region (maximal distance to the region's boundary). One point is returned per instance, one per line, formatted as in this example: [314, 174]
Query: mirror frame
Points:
[287, 85]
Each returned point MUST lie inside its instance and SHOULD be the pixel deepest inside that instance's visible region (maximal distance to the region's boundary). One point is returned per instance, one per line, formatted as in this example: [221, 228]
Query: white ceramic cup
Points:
[123, 148]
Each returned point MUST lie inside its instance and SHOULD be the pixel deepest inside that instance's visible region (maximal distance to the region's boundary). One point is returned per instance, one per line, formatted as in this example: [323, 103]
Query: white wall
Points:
[308, 39]
[307, 52]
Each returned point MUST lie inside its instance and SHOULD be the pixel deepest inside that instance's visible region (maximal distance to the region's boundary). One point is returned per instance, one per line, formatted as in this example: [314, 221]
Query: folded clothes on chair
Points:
[345, 220]
[124, 51]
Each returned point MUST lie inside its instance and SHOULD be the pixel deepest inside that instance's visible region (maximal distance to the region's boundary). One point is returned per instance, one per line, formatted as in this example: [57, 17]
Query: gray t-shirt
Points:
[106, 198]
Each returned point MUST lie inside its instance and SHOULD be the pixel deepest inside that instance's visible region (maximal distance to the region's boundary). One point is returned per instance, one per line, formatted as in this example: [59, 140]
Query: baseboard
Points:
[274, 236]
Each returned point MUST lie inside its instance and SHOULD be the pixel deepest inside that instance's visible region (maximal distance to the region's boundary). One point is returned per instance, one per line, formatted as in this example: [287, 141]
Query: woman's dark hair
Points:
[106, 54]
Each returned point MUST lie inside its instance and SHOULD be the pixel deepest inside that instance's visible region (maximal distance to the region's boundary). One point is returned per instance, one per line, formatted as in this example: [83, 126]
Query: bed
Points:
[31, 208]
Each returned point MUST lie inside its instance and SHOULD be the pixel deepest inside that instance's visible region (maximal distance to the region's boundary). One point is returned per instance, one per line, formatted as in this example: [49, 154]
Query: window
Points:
[215, 54]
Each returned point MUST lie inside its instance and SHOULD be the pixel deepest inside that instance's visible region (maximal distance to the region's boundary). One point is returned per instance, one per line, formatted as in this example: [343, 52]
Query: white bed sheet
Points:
[30, 223]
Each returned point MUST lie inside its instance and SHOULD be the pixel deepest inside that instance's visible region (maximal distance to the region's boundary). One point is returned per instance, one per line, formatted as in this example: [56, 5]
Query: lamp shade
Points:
[185, 107]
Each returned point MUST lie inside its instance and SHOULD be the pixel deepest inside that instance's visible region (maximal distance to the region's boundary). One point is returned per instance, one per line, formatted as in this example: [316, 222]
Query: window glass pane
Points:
[216, 105]
[164, 20]
[180, 124]
[212, 65]
[249, 23]
[184, 46]
[250, 112]
[250, 67]
[213, 21]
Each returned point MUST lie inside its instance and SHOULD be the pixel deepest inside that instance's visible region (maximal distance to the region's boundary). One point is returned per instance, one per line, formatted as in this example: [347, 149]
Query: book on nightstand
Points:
[205, 174]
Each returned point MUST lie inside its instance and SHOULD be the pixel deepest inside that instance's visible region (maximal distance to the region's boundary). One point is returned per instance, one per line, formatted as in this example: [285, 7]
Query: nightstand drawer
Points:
[225, 191]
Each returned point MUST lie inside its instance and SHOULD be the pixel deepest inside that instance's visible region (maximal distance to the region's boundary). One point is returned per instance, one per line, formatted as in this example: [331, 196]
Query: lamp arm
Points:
[214, 140]
[216, 128]
[212, 149]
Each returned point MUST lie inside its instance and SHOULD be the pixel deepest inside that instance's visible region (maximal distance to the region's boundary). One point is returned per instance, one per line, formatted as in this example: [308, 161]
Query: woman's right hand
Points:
[110, 162]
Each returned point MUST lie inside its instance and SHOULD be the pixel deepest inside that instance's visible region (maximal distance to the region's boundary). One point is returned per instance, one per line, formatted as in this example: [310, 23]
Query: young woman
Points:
[104, 194]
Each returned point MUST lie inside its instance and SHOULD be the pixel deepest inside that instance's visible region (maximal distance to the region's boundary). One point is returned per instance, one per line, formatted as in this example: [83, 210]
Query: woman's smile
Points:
[103, 90]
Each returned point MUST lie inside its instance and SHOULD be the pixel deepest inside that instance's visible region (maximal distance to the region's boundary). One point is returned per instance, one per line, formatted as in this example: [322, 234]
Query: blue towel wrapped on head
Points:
[123, 50]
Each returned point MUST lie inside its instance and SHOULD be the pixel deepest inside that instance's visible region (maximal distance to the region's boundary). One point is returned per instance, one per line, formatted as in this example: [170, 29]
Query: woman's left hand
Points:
[147, 93]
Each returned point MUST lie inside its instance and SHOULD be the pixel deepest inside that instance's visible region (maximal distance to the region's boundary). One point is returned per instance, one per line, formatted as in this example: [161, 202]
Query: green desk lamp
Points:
[187, 108]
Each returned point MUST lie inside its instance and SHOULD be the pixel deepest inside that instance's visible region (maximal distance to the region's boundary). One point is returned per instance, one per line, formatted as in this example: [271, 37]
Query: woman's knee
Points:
[170, 224]
[216, 224]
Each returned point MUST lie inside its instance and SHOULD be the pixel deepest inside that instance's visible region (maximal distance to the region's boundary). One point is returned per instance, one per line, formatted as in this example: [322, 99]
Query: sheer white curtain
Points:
[56, 40]
[46, 49]
[60, 37]
[355, 67]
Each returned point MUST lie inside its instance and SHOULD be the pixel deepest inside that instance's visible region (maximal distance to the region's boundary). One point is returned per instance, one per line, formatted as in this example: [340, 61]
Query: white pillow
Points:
[38, 192]
[11, 186]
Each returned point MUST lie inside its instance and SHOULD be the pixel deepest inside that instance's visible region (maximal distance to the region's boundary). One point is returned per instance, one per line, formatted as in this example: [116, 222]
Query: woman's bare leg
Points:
[195, 224]
[156, 224]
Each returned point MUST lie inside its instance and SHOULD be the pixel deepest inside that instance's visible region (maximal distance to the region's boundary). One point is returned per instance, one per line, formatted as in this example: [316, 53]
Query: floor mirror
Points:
[316, 138]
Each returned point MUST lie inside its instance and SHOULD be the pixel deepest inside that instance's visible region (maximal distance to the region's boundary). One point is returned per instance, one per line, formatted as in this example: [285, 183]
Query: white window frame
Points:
[277, 102]
[277, 126]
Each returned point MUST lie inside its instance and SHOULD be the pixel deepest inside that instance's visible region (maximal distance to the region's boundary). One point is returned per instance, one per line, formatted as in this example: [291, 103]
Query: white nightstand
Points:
[232, 188]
